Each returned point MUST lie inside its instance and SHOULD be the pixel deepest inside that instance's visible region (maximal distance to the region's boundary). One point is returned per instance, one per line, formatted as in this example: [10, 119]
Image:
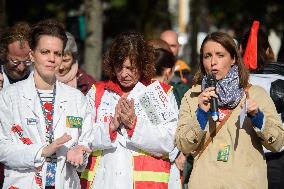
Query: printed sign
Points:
[152, 102]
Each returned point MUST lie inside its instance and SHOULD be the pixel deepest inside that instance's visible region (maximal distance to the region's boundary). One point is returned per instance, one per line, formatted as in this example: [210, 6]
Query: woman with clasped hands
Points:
[228, 153]
[135, 151]
[41, 119]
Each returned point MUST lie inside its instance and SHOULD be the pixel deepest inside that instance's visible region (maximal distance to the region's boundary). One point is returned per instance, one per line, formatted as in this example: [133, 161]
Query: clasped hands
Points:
[124, 114]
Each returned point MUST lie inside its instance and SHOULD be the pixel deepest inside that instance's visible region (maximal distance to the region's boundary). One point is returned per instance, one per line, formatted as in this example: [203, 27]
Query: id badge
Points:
[223, 153]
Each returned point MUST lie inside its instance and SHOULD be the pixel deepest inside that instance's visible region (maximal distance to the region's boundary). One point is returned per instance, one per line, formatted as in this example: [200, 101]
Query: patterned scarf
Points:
[228, 89]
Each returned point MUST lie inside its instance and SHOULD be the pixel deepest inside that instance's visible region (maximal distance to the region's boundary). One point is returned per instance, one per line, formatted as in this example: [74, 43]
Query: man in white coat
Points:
[15, 53]
[15, 64]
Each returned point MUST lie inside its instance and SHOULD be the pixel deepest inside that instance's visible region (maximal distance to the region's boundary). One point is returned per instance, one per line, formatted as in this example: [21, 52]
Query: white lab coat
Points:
[115, 170]
[6, 81]
[20, 104]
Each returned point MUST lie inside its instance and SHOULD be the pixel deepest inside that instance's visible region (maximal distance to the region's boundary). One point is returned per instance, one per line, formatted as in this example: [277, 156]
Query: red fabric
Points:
[113, 86]
[91, 164]
[26, 140]
[166, 87]
[112, 134]
[38, 180]
[131, 131]
[152, 185]
[84, 81]
[13, 187]
[222, 113]
[85, 184]
[48, 106]
[150, 163]
[98, 96]
[16, 128]
[250, 55]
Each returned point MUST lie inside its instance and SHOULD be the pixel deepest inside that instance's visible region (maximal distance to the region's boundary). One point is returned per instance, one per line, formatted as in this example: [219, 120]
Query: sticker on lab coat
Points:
[74, 122]
[31, 121]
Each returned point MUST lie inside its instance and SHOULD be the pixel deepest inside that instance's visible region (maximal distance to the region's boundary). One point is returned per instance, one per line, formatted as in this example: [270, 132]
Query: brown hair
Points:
[228, 43]
[159, 44]
[163, 60]
[133, 46]
[47, 27]
[18, 32]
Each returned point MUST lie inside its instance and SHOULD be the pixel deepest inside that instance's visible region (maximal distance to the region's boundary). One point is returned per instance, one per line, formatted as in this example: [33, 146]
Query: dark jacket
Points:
[272, 68]
[276, 86]
[84, 81]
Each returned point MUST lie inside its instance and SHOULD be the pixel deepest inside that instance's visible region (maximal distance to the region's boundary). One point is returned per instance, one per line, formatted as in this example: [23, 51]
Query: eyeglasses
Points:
[17, 62]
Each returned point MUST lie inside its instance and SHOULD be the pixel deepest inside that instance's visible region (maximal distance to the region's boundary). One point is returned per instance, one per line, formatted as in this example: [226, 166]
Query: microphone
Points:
[211, 81]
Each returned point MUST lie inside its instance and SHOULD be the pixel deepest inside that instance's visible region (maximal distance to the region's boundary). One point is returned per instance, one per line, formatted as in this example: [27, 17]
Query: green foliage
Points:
[118, 4]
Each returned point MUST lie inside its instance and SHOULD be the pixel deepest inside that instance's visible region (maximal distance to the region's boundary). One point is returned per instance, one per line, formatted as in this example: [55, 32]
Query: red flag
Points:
[250, 55]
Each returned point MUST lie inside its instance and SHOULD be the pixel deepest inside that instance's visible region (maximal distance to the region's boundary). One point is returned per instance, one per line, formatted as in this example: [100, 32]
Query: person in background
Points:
[165, 65]
[269, 74]
[159, 44]
[179, 88]
[69, 72]
[14, 53]
[14, 59]
[41, 118]
[134, 151]
[183, 163]
[182, 71]
[171, 38]
[228, 150]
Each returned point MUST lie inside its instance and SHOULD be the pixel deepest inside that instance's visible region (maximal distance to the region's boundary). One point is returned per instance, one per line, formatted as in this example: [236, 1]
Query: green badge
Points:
[74, 122]
[223, 153]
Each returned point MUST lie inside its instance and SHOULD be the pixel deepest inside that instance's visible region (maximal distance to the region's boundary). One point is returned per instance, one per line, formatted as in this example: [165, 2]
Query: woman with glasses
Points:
[41, 118]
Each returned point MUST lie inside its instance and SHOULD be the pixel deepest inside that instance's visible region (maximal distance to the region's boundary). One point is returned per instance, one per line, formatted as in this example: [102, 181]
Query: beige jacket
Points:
[246, 166]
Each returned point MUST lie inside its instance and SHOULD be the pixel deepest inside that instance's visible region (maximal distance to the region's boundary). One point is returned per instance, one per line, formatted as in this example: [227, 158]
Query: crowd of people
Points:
[61, 129]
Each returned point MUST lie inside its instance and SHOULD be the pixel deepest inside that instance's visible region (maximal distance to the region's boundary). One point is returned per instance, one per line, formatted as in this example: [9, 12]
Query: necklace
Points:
[49, 123]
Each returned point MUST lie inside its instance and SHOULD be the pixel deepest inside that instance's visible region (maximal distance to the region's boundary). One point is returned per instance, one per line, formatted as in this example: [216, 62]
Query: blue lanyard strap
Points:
[49, 125]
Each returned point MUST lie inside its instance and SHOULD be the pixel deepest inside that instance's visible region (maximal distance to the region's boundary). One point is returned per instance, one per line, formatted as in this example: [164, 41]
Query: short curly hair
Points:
[18, 32]
[133, 46]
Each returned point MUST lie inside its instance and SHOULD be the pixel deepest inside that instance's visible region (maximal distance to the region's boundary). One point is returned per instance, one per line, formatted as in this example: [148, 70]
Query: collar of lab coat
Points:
[33, 101]
[6, 82]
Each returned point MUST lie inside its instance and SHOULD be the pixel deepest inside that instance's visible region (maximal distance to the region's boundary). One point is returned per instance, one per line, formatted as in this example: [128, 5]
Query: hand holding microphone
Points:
[207, 100]
[211, 81]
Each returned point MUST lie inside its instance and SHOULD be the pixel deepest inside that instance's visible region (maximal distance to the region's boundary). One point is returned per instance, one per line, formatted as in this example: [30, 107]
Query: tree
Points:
[93, 41]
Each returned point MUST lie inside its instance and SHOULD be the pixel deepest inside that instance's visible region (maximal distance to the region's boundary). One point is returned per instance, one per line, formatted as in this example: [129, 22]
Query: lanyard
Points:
[49, 125]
